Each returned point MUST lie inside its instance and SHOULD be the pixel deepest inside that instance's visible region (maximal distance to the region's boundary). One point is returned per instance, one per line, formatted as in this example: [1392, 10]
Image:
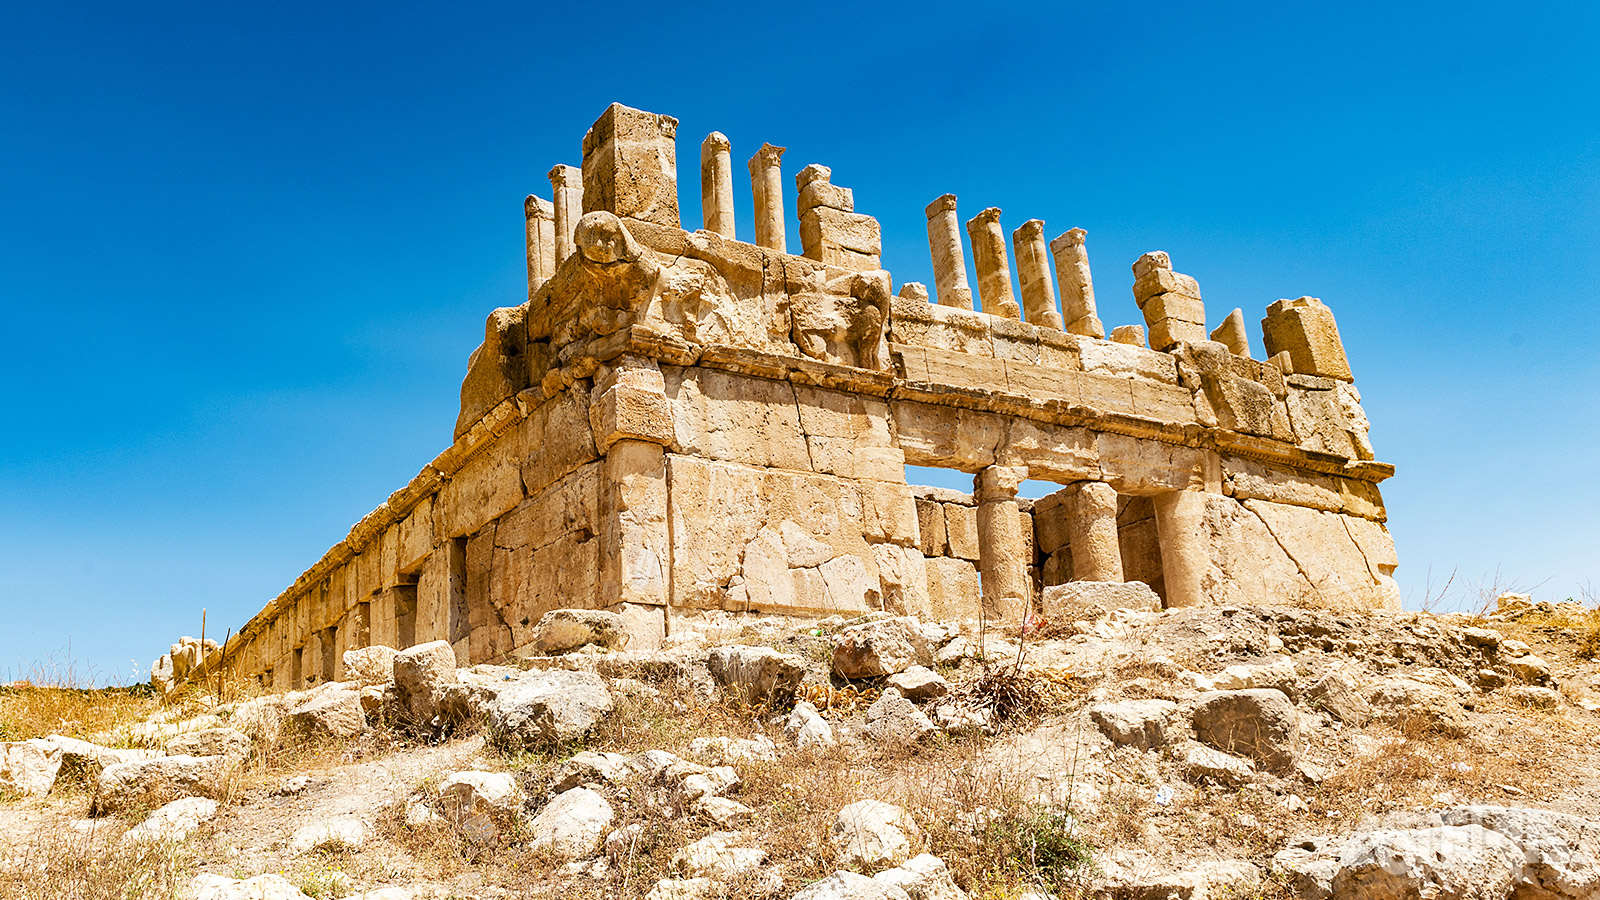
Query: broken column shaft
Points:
[766, 183]
[1077, 287]
[989, 258]
[567, 183]
[1092, 533]
[1033, 271]
[1002, 549]
[949, 263]
[716, 184]
[541, 215]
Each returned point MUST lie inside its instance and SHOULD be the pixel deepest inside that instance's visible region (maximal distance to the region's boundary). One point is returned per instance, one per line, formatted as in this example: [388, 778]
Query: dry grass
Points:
[63, 864]
[30, 711]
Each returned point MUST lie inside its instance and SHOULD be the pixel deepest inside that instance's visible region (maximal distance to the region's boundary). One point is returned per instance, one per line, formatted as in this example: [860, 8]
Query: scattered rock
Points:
[543, 709]
[369, 665]
[419, 673]
[723, 812]
[924, 877]
[1259, 723]
[211, 742]
[590, 767]
[1560, 853]
[724, 750]
[1533, 697]
[572, 825]
[1136, 874]
[1405, 702]
[896, 721]
[1334, 695]
[1137, 723]
[919, 684]
[807, 729]
[1465, 862]
[331, 834]
[28, 768]
[562, 630]
[330, 715]
[173, 822]
[159, 781]
[1278, 672]
[871, 834]
[687, 889]
[480, 804]
[756, 675]
[843, 885]
[718, 855]
[1530, 669]
[883, 647]
[261, 887]
[1080, 601]
[1202, 763]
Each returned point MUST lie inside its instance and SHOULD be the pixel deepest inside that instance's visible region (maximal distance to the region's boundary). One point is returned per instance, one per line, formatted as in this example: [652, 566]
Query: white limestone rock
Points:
[723, 750]
[544, 709]
[480, 804]
[343, 833]
[564, 630]
[261, 887]
[159, 781]
[173, 822]
[807, 729]
[28, 768]
[369, 665]
[591, 767]
[893, 720]
[883, 647]
[1137, 723]
[720, 855]
[1259, 723]
[923, 877]
[919, 684]
[211, 742]
[756, 675]
[572, 825]
[419, 673]
[871, 834]
[843, 885]
[331, 715]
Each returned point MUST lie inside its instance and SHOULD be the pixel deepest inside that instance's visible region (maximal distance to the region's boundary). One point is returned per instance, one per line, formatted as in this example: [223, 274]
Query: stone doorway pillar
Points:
[1002, 548]
[1092, 533]
[1180, 515]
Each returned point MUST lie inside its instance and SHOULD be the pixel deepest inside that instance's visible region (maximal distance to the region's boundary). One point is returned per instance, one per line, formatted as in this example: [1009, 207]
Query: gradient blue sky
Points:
[245, 249]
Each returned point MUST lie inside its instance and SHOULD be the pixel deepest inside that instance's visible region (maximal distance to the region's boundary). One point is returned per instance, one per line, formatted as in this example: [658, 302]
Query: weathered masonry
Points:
[678, 421]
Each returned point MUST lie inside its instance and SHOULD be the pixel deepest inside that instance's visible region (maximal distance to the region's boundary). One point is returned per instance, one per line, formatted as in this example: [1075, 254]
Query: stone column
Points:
[989, 258]
[567, 183]
[949, 263]
[1092, 533]
[541, 215]
[1002, 562]
[1077, 288]
[1180, 515]
[716, 184]
[1033, 271]
[766, 183]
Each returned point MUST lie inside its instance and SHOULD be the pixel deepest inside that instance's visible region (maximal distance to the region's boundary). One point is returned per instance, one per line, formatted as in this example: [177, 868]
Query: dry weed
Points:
[64, 864]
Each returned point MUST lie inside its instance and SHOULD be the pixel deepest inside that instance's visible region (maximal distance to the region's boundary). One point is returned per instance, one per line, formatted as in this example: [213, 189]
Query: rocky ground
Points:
[1212, 752]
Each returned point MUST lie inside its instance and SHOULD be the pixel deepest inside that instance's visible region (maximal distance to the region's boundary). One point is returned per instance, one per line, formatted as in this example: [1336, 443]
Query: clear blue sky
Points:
[245, 249]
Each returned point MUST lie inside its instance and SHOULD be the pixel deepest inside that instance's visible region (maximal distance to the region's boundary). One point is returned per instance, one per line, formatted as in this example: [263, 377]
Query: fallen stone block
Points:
[369, 665]
[1259, 723]
[1136, 723]
[884, 647]
[332, 715]
[572, 825]
[756, 675]
[541, 710]
[419, 673]
[173, 822]
[481, 805]
[562, 630]
[160, 781]
[871, 834]
[28, 768]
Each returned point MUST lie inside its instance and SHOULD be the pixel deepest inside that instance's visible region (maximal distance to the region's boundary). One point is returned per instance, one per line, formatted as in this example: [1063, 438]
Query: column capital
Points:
[716, 140]
[998, 483]
[536, 207]
[766, 157]
[943, 203]
[564, 176]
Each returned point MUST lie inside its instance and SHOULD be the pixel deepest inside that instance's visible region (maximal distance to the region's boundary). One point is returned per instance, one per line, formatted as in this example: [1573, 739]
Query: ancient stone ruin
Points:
[679, 421]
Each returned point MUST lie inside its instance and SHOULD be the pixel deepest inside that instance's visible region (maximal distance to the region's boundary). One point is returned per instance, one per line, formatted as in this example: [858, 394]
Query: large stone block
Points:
[838, 238]
[721, 415]
[1304, 328]
[489, 485]
[630, 165]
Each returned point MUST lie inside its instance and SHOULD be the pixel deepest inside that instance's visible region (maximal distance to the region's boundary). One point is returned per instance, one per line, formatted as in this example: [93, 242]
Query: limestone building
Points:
[683, 420]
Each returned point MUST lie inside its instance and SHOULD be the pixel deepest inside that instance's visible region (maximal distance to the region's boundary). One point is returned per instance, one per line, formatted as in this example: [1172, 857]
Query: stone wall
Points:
[679, 421]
